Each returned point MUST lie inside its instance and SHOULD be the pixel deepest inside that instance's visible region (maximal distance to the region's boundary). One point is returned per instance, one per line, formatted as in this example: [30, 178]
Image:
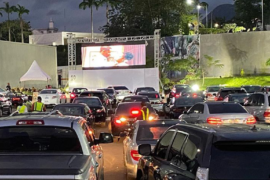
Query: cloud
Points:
[53, 12]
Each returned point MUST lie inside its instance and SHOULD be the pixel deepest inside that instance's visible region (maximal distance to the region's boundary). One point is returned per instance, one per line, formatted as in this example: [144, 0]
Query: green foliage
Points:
[212, 31]
[229, 26]
[267, 62]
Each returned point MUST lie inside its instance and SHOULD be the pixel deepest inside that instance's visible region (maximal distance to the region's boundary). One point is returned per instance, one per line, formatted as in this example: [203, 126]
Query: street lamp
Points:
[198, 8]
[189, 2]
[216, 25]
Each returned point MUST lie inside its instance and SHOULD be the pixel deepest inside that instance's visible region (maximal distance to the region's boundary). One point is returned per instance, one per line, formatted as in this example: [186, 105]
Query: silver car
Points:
[142, 132]
[217, 113]
[155, 100]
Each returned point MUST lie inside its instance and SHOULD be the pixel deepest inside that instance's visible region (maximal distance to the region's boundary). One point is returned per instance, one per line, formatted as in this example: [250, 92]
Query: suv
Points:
[204, 152]
[258, 104]
[104, 98]
[226, 91]
[143, 89]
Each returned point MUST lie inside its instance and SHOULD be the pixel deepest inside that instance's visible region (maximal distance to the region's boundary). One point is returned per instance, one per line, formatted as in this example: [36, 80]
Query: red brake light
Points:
[194, 95]
[156, 96]
[30, 122]
[135, 112]
[251, 120]
[213, 120]
[209, 95]
[267, 113]
[135, 155]
[72, 95]
[220, 98]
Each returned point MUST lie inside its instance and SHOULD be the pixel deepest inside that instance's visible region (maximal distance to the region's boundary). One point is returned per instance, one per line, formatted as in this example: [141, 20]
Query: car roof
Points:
[230, 132]
[94, 91]
[216, 102]
[250, 85]
[86, 97]
[144, 87]
[230, 88]
[80, 88]
[135, 96]
[71, 104]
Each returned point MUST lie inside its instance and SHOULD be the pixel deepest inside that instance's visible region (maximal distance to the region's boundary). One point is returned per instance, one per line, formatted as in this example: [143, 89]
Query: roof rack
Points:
[54, 112]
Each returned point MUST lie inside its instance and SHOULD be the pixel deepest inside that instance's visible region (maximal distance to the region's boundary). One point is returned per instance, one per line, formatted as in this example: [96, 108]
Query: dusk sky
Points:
[76, 20]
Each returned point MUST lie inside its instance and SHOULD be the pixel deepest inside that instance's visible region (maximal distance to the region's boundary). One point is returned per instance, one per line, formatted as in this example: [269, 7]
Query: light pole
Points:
[198, 8]
[262, 15]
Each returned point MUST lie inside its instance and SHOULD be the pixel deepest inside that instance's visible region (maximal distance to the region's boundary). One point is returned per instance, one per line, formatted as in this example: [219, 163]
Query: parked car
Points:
[5, 105]
[136, 98]
[143, 132]
[76, 110]
[97, 109]
[180, 106]
[251, 88]
[176, 91]
[258, 104]
[226, 91]
[237, 98]
[50, 147]
[204, 152]
[126, 114]
[217, 113]
[121, 92]
[3, 92]
[155, 100]
[52, 97]
[15, 98]
[111, 94]
[76, 92]
[104, 98]
[211, 92]
[143, 89]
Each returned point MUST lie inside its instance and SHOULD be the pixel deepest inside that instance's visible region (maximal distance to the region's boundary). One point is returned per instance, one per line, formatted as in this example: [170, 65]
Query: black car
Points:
[182, 105]
[94, 103]
[76, 92]
[143, 89]
[71, 109]
[204, 152]
[126, 114]
[177, 89]
[111, 94]
[237, 98]
[16, 98]
[104, 98]
[136, 98]
[222, 93]
[5, 105]
[251, 88]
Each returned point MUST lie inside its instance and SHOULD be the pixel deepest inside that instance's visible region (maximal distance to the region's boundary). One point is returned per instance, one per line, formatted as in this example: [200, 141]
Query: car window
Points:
[213, 89]
[163, 145]
[108, 91]
[150, 96]
[238, 98]
[256, 100]
[224, 93]
[177, 145]
[79, 90]
[187, 101]
[135, 99]
[151, 132]
[90, 94]
[91, 102]
[224, 108]
[70, 110]
[2, 90]
[198, 108]
[48, 92]
[120, 88]
[145, 89]
[252, 89]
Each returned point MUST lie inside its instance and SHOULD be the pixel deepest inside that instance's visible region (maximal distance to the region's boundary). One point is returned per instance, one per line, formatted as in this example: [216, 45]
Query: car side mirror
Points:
[105, 138]
[144, 149]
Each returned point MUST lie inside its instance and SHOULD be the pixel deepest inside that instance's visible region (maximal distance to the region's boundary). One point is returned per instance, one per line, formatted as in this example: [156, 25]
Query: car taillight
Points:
[177, 95]
[72, 95]
[120, 120]
[30, 122]
[267, 113]
[209, 95]
[194, 95]
[213, 120]
[202, 173]
[135, 155]
[220, 98]
[135, 112]
[251, 120]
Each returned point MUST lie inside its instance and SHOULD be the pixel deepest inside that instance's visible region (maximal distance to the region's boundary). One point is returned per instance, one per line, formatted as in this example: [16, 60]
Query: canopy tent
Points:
[35, 73]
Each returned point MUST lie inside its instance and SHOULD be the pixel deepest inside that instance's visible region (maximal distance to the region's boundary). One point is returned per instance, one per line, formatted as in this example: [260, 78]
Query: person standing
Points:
[38, 106]
[144, 111]
[22, 109]
[29, 103]
[8, 88]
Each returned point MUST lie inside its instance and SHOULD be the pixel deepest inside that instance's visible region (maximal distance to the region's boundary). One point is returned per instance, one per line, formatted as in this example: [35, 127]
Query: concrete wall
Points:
[16, 58]
[248, 51]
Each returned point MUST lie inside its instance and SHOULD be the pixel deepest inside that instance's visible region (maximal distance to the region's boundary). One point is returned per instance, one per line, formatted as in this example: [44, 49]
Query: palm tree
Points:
[21, 10]
[89, 4]
[205, 7]
[9, 10]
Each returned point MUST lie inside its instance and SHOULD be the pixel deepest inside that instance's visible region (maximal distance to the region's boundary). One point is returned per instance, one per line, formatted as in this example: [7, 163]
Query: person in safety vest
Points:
[22, 109]
[29, 103]
[38, 106]
[144, 111]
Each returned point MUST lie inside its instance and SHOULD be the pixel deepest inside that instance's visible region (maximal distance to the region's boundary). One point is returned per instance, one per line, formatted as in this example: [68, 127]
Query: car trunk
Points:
[232, 117]
[95, 108]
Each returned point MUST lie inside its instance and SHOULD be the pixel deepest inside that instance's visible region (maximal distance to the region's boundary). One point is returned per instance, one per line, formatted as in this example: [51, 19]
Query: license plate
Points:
[231, 121]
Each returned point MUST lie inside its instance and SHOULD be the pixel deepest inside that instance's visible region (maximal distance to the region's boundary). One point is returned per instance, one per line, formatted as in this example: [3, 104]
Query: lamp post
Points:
[262, 15]
[198, 8]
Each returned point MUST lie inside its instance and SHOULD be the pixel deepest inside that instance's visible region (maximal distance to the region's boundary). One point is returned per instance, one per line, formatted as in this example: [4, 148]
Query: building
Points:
[50, 29]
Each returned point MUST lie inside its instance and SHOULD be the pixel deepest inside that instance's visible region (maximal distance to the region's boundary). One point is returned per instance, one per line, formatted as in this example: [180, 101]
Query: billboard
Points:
[113, 56]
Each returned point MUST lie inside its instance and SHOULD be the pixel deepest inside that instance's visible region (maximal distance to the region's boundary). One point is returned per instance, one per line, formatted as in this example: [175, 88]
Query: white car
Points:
[142, 132]
[121, 92]
[3, 92]
[211, 92]
[217, 113]
[155, 100]
[51, 97]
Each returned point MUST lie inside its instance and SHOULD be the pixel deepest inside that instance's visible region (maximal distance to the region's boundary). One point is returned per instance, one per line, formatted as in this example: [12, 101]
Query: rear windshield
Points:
[151, 96]
[252, 89]
[145, 89]
[187, 101]
[70, 110]
[90, 102]
[224, 93]
[125, 109]
[48, 92]
[180, 89]
[238, 98]
[79, 90]
[135, 99]
[108, 91]
[120, 88]
[225, 108]
[240, 160]
[213, 89]
[150, 133]
[99, 95]
[39, 139]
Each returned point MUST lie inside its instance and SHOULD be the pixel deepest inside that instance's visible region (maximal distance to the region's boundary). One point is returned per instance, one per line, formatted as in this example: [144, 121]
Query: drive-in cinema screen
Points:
[113, 56]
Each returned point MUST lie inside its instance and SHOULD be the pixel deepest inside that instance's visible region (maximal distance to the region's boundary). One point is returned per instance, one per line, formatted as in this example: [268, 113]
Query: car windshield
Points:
[227, 92]
[238, 98]
[151, 95]
[224, 108]
[145, 89]
[151, 132]
[213, 89]
[185, 88]
[187, 101]
[252, 89]
[79, 90]
[39, 139]
[108, 91]
[232, 157]
[70, 110]
[89, 94]
[120, 88]
[91, 102]
[135, 99]
[48, 92]
[181, 86]
[2, 90]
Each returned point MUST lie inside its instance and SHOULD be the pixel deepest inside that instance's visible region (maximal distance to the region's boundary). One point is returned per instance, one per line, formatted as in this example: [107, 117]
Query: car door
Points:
[127, 145]
[194, 114]
[158, 164]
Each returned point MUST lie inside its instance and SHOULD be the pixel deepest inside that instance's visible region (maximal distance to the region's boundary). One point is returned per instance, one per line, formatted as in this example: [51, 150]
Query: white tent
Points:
[35, 73]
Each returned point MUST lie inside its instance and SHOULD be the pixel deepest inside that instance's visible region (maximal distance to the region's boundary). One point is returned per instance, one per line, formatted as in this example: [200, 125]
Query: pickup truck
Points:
[50, 147]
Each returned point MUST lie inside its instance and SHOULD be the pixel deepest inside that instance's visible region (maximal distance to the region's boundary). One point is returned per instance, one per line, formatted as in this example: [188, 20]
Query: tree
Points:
[9, 10]
[15, 31]
[21, 10]
[108, 3]
[89, 4]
